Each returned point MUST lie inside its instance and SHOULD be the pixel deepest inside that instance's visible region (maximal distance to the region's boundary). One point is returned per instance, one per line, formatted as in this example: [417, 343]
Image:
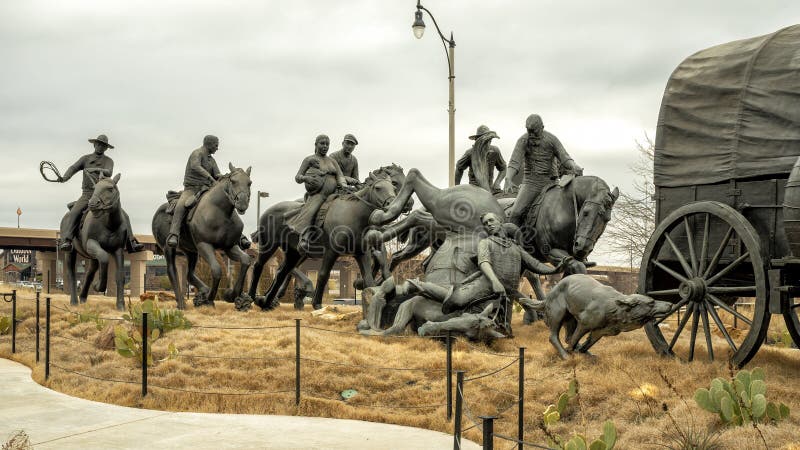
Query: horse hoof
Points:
[243, 302]
[83, 300]
[316, 306]
[228, 296]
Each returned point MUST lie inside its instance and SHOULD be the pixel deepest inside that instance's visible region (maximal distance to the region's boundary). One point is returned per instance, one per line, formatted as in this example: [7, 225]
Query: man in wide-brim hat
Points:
[482, 159]
[93, 165]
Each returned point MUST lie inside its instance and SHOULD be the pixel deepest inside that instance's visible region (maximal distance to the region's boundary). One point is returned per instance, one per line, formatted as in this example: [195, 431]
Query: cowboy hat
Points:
[103, 139]
[483, 129]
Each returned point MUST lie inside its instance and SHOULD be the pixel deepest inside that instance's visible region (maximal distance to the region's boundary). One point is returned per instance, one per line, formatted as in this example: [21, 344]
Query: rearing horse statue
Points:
[214, 224]
[101, 235]
[345, 221]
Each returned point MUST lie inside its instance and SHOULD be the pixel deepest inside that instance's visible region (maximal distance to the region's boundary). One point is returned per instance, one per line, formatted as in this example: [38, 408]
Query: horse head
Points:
[380, 190]
[592, 218]
[398, 177]
[236, 185]
[105, 195]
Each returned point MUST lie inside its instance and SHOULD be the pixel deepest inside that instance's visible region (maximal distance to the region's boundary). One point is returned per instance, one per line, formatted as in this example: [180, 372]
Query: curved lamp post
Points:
[449, 49]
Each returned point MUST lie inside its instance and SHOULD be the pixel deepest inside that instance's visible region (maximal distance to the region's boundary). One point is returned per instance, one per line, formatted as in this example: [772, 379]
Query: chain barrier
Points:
[478, 377]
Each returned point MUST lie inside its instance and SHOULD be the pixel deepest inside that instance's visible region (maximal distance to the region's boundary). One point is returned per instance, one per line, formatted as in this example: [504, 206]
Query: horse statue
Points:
[101, 235]
[213, 224]
[345, 219]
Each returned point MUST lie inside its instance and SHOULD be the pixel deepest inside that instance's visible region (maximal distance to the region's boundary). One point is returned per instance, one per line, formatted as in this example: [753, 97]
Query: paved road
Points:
[58, 421]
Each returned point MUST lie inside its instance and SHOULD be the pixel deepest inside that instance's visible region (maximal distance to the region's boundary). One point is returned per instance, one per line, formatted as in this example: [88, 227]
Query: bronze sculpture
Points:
[535, 154]
[101, 235]
[348, 162]
[321, 176]
[495, 277]
[93, 165]
[341, 225]
[584, 306]
[482, 159]
[201, 173]
[213, 223]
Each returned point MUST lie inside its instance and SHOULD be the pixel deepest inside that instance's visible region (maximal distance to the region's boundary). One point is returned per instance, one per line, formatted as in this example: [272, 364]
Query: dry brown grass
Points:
[621, 365]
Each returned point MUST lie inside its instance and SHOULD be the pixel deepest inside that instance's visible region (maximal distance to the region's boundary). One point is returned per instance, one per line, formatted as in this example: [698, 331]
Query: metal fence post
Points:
[145, 335]
[488, 432]
[459, 402]
[14, 321]
[521, 393]
[38, 328]
[449, 376]
[297, 362]
[47, 339]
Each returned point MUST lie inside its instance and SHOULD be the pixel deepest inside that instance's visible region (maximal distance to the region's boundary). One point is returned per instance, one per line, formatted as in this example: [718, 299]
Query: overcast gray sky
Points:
[267, 77]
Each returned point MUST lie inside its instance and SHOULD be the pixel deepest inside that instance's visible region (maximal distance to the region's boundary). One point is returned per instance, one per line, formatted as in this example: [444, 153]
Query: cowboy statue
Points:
[201, 173]
[94, 165]
[482, 159]
[321, 176]
[536, 153]
[346, 160]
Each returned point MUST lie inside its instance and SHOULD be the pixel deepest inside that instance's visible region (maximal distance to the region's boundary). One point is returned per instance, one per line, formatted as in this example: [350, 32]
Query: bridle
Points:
[601, 211]
[103, 205]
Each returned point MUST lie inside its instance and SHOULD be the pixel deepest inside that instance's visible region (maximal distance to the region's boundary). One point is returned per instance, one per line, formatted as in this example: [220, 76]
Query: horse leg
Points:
[574, 266]
[172, 274]
[289, 263]
[73, 282]
[87, 279]
[531, 315]
[118, 258]
[95, 251]
[302, 287]
[328, 259]
[244, 261]
[264, 254]
[207, 252]
[194, 280]
[415, 184]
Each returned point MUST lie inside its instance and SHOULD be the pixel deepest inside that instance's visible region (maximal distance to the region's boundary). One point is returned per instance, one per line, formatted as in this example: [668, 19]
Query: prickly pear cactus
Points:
[741, 400]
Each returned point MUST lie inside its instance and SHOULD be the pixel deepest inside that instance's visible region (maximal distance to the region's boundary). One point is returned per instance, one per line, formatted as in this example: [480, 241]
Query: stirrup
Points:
[66, 245]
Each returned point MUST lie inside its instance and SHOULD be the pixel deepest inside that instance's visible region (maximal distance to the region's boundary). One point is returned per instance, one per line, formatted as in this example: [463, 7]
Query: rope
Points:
[372, 367]
[361, 405]
[192, 391]
[237, 357]
[514, 396]
[72, 339]
[48, 165]
[479, 350]
[242, 328]
[478, 377]
[93, 377]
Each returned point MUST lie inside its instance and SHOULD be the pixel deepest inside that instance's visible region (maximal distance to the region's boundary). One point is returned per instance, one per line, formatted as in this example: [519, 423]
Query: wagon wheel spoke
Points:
[690, 243]
[721, 326]
[732, 290]
[728, 268]
[718, 253]
[704, 246]
[674, 274]
[679, 255]
[675, 291]
[675, 308]
[728, 309]
[707, 329]
[693, 339]
[681, 325]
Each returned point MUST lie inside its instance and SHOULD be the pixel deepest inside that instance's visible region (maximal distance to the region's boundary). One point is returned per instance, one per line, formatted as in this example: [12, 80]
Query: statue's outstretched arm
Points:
[73, 169]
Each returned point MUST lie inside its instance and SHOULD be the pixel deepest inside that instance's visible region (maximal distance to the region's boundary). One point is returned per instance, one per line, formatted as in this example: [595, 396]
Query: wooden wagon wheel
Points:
[792, 319]
[706, 258]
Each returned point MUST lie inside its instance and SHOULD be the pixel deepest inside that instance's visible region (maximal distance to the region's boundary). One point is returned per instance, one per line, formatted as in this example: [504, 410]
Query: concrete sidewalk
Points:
[58, 421]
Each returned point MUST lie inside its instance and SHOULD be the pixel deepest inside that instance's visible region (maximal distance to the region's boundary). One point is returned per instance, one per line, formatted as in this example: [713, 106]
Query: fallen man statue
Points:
[585, 306]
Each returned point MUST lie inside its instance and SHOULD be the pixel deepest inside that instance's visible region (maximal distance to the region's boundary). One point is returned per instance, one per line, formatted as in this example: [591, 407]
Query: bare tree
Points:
[633, 218]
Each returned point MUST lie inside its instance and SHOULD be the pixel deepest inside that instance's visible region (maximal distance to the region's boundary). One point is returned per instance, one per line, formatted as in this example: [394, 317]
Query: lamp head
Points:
[419, 25]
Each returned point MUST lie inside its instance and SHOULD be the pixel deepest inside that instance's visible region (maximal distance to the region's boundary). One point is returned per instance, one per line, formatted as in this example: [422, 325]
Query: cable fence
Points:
[59, 346]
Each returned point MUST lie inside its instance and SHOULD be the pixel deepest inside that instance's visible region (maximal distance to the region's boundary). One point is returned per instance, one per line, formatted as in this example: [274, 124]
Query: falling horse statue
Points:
[345, 219]
[102, 234]
[213, 224]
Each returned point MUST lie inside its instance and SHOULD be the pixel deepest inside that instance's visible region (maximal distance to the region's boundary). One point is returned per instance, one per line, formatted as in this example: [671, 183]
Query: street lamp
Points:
[449, 48]
[258, 206]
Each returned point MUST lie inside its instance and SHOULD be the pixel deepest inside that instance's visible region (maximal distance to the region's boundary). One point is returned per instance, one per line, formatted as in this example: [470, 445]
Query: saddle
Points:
[533, 210]
[174, 196]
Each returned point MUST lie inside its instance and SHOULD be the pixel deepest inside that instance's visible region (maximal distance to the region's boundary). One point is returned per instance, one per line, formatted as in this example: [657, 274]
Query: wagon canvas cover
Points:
[731, 111]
